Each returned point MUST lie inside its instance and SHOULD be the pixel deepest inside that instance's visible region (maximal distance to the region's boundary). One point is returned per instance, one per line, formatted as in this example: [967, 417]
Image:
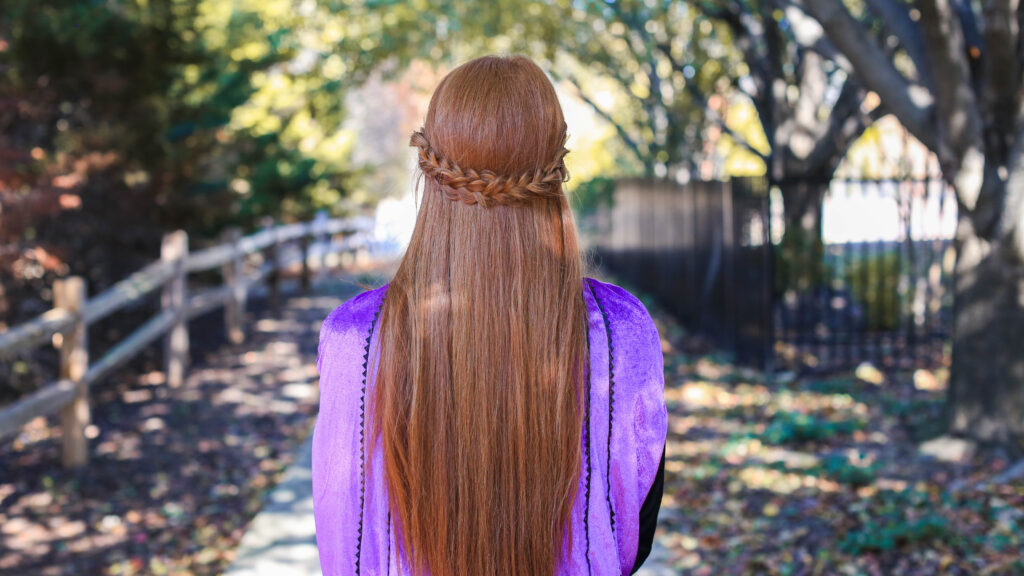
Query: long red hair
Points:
[483, 340]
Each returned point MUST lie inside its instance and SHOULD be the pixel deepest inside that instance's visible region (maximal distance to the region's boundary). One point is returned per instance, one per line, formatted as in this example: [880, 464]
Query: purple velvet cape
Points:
[622, 437]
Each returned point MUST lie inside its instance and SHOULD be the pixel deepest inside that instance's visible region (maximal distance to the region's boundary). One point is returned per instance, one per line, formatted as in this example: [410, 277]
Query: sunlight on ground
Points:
[802, 475]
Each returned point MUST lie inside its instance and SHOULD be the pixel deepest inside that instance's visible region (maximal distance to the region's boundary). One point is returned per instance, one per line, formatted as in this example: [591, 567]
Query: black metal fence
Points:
[703, 251]
[871, 282]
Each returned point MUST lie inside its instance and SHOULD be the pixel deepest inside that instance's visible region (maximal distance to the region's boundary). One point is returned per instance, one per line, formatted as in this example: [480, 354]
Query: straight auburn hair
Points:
[483, 338]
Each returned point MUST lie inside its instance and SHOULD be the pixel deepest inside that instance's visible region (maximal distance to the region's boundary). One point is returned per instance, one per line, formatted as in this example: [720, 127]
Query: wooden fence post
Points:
[321, 240]
[304, 249]
[233, 272]
[271, 256]
[69, 294]
[175, 249]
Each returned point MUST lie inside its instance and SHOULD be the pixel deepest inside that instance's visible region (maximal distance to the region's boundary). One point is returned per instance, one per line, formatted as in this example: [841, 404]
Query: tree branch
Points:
[961, 151]
[896, 18]
[630, 142]
[809, 35]
[846, 123]
[1000, 70]
[696, 93]
[912, 104]
[720, 121]
[1011, 224]
[746, 31]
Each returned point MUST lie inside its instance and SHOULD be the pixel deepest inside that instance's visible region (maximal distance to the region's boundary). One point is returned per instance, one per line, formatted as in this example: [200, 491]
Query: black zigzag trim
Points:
[389, 542]
[586, 435]
[362, 440]
[611, 404]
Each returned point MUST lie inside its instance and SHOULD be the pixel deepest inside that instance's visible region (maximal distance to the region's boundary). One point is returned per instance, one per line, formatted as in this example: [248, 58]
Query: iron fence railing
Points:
[870, 280]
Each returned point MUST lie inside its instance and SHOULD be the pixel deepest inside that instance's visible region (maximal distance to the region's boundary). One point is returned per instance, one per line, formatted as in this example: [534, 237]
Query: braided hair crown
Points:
[487, 188]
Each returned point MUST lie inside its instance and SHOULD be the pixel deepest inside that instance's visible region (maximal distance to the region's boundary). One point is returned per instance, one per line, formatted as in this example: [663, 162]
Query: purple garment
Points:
[354, 531]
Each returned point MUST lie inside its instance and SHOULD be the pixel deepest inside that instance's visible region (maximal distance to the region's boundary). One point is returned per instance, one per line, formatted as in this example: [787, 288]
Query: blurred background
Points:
[821, 203]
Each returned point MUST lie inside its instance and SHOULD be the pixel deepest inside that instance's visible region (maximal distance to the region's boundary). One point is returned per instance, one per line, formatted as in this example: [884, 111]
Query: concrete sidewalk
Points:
[657, 562]
[281, 541]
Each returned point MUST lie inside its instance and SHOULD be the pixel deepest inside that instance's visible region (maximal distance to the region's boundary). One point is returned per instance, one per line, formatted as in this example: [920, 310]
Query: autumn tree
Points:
[667, 63]
[120, 120]
[809, 104]
[956, 86]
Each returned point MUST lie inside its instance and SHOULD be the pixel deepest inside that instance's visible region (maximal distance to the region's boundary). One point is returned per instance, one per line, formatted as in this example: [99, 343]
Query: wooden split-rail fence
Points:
[66, 325]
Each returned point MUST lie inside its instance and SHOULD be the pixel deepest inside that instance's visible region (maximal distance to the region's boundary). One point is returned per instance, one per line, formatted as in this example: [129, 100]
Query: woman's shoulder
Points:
[631, 335]
[351, 320]
[619, 305]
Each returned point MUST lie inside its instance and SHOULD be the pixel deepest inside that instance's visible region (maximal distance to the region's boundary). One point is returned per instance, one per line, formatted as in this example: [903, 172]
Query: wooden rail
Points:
[66, 326]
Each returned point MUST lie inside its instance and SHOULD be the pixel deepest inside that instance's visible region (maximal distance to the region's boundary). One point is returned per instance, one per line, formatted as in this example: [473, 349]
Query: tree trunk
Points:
[799, 263]
[986, 394]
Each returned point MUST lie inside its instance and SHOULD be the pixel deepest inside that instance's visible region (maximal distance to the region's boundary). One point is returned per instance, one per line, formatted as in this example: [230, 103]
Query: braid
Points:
[484, 187]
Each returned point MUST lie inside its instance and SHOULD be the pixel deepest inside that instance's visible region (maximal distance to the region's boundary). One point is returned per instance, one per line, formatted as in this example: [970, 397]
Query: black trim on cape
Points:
[649, 516]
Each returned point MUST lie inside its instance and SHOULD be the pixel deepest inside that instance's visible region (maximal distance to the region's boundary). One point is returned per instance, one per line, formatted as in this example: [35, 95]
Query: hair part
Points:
[479, 389]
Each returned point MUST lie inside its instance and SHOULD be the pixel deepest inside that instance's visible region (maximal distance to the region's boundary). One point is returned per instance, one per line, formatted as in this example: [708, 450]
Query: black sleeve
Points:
[649, 516]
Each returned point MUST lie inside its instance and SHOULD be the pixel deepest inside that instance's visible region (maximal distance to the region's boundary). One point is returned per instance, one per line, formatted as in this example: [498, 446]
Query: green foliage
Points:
[839, 468]
[799, 260]
[593, 193]
[896, 522]
[217, 110]
[873, 279]
[833, 385]
[922, 418]
[798, 427]
[644, 67]
[881, 535]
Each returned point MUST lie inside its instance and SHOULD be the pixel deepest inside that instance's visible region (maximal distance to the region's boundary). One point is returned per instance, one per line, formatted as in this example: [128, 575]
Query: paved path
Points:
[281, 540]
[657, 562]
